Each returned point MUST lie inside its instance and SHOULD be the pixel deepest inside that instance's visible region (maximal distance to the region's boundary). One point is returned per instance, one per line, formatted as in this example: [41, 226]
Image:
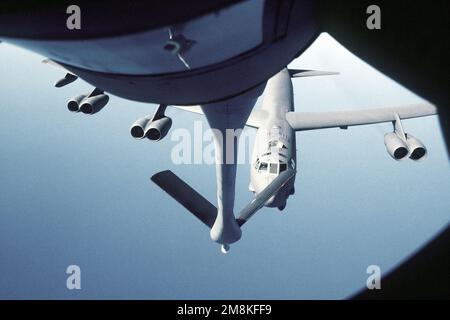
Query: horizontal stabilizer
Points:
[297, 73]
[264, 195]
[204, 210]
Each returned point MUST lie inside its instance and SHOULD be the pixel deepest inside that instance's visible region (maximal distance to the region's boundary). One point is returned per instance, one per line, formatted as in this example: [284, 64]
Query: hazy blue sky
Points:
[75, 189]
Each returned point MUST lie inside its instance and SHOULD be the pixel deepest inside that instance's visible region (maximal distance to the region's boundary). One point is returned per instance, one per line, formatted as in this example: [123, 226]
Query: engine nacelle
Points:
[157, 129]
[74, 104]
[416, 148]
[395, 146]
[137, 130]
[94, 104]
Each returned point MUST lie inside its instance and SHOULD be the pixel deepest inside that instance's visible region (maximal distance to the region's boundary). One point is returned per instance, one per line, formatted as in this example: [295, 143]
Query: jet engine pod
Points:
[395, 146]
[416, 147]
[137, 130]
[94, 104]
[74, 104]
[157, 129]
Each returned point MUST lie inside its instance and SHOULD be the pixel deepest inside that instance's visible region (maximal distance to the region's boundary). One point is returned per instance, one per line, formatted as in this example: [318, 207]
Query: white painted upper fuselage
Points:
[274, 149]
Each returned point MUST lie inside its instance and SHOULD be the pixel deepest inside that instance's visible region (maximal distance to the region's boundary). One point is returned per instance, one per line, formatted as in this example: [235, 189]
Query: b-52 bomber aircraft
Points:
[273, 166]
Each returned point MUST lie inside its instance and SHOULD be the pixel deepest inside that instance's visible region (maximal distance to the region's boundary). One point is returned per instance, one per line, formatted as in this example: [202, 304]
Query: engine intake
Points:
[416, 147]
[74, 104]
[137, 130]
[395, 146]
[157, 129]
[94, 104]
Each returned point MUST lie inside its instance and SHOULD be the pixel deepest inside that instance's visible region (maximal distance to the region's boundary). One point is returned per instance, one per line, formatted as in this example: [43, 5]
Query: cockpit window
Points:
[273, 168]
[263, 166]
[283, 167]
[257, 164]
